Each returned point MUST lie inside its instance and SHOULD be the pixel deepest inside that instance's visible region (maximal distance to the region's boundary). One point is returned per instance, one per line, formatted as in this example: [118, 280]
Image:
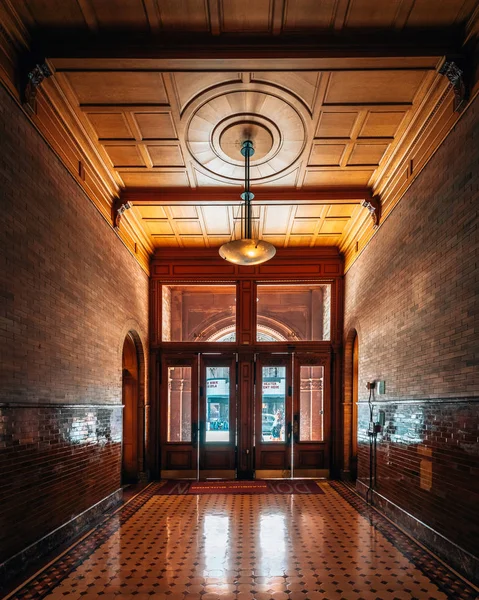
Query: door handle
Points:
[194, 433]
[290, 428]
[296, 428]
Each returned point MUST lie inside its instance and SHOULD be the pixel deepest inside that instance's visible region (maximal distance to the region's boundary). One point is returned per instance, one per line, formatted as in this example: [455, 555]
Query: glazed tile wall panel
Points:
[55, 462]
[427, 457]
[412, 298]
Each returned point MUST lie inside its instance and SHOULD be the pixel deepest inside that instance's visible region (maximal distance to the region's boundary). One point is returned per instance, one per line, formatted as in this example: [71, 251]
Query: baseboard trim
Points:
[18, 563]
[453, 555]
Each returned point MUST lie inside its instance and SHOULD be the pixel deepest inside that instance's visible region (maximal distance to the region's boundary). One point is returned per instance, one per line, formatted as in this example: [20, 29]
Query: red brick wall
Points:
[70, 292]
[412, 296]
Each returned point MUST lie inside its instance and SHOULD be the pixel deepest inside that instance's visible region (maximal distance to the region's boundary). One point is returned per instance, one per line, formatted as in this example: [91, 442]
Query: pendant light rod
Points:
[247, 150]
[247, 251]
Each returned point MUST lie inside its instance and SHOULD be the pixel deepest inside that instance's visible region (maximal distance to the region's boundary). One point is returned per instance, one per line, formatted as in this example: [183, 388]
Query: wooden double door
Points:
[262, 415]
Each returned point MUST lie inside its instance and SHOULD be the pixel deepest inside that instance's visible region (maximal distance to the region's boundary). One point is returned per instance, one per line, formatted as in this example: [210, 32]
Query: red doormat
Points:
[277, 486]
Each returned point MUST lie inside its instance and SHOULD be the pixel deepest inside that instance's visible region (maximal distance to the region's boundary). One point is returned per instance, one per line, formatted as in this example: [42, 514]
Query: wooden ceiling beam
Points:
[205, 196]
[202, 53]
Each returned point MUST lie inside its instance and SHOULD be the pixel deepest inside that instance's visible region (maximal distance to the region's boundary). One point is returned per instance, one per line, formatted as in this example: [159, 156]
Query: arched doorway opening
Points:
[350, 405]
[355, 398]
[132, 449]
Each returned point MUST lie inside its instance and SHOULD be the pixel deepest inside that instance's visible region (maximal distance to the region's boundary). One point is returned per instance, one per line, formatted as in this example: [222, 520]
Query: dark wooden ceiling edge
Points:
[385, 43]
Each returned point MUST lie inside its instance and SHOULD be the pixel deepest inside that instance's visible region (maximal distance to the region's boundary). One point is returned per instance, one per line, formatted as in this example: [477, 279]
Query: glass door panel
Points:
[273, 416]
[273, 403]
[311, 403]
[311, 415]
[218, 417]
[218, 392]
[179, 417]
[179, 404]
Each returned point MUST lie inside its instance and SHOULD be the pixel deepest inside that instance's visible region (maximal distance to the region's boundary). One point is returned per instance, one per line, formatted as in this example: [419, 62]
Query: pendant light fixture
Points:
[247, 251]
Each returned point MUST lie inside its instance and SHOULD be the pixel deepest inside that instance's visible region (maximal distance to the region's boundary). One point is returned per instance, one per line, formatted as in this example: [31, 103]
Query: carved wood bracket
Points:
[33, 77]
[451, 70]
[374, 207]
[118, 209]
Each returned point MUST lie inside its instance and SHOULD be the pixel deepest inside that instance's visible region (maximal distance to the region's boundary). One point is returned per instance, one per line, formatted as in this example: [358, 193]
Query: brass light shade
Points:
[247, 251]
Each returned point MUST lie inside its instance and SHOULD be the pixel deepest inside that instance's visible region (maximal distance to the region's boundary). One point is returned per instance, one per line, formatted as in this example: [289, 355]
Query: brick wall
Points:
[70, 291]
[412, 296]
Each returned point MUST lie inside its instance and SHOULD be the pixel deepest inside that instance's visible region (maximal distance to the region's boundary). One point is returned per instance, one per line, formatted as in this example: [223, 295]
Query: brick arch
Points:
[349, 409]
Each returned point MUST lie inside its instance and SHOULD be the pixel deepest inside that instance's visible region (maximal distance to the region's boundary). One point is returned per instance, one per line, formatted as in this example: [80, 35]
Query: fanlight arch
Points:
[264, 334]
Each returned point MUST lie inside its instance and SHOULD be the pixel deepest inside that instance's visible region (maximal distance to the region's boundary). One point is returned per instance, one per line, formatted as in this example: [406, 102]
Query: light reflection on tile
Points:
[246, 547]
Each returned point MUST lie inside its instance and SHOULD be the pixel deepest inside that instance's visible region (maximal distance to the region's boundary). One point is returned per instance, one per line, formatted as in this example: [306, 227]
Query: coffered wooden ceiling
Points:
[336, 118]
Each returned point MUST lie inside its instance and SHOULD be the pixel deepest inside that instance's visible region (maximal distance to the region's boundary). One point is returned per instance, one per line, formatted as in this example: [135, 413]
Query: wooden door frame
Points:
[323, 468]
[171, 453]
[212, 450]
[273, 448]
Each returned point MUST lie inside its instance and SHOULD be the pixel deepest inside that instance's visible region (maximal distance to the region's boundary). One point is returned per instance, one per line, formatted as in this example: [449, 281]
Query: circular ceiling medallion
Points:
[232, 137]
[228, 136]
[219, 126]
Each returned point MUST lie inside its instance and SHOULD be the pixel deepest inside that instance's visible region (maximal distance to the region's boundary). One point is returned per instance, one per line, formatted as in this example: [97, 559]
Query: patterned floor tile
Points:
[246, 547]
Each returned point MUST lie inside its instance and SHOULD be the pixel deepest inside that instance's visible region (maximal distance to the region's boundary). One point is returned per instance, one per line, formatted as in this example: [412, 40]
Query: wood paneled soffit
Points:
[148, 99]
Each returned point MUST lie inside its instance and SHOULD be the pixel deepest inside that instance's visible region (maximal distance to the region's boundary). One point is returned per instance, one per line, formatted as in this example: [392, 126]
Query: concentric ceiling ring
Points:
[218, 127]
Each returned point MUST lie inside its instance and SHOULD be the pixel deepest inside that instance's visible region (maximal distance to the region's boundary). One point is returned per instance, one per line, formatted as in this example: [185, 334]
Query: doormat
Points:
[278, 486]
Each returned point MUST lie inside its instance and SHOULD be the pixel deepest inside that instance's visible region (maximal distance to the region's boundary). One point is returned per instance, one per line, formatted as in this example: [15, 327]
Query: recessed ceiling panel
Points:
[152, 212]
[120, 14]
[158, 179]
[183, 15]
[124, 155]
[183, 212]
[188, 85]
[277, 219]
[333, 226]
[324, 177]
[370, 13]
[308, 14]
[159, 227]
[373, 87]
[165, 155]
[341, 210]
[336, 124]
[309, 211]
[302, 84]
[57, 13]
[381, 124]
[193, 242]
[367, 154]
[186, 227]
[155, 125]
[326, 154]
[110, 125]
[304, 226]
[217, 220]
[117, 88]
[427, 13]
[248, 15]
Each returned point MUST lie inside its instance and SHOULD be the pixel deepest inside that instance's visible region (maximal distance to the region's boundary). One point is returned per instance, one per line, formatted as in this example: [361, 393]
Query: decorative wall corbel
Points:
[32, 79]
[374, 207]
[118, 209]
[451, 70]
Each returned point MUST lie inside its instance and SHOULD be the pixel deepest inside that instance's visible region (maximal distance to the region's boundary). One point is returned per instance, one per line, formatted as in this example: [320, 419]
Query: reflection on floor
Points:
[245, 547]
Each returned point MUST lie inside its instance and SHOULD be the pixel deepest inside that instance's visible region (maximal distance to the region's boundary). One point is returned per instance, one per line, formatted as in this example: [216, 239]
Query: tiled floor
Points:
[245, 547]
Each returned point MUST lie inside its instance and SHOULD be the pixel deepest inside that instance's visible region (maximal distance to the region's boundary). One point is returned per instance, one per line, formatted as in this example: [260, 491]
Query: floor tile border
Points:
[43, 582]
[445, 579]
